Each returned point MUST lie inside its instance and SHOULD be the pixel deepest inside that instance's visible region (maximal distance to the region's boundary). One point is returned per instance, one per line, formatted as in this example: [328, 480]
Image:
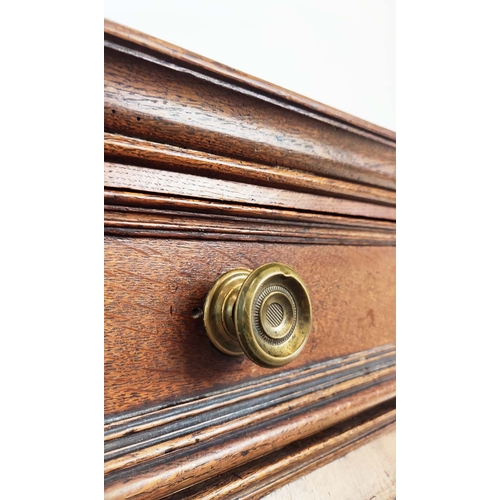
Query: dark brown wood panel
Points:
[239, 418]
[149, 100]
[266, 474]
[148, 46]
[188, 185]
[156, 349]
[122, 149]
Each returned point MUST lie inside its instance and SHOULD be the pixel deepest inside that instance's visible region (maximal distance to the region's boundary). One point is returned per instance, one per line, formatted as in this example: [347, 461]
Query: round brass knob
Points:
[265, 314]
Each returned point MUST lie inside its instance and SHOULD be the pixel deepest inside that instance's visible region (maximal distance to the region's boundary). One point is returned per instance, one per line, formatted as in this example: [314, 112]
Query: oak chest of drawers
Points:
[209, 170]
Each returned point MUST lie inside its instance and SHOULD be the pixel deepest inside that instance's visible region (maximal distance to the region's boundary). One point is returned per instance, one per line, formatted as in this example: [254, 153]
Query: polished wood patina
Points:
[206, 170]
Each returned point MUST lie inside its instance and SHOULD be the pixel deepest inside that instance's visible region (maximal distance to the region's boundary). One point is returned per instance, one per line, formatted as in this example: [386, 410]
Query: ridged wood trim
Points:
[269, 473]
[140, 222]
[137, 421]
[121, 149]
[166, 475]
[136, 453]
[196, 150]
[149, 98]
[188, 185]
[138, 40]
[196, 233]
[145, 439]
[189, 206]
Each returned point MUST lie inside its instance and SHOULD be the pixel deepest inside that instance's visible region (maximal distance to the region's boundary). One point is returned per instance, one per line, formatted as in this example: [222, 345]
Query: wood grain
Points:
[257, 479]
[121, 149]
[137, 452]
[173, 472]
[365, 472]
[147, 223]
[157, 352]
[188, 185]
[142, 452]
[149, 448]
[208, 169]
[278, 383]
[148, 99]
[136, 439]
[145, 45]
[186, 205]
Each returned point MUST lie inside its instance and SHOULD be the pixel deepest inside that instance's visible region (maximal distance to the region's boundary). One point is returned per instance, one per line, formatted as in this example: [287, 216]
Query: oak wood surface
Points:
[124, 149]
[207, 208]
[147, 223]
[272, 471]
[284, 385]
[144, 179]
[130, 440]
[134, 40]
[162, 446]
[208, 169]
[150, 99]
[169, 474]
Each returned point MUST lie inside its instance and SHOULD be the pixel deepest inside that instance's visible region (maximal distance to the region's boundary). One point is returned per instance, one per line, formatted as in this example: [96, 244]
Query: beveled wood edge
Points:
[136, 453]
[143, 179]
[122, 221]
[300, 403]
[238, 211]
[117, 425]
[207, 66]
[264, 475]
[166, 475]
[202, 115]
[144, 439]
[289, 135]
[197, 233]
[122, 149]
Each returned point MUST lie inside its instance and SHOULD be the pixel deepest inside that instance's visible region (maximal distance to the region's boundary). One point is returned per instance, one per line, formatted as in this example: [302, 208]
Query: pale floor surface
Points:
[367, 473]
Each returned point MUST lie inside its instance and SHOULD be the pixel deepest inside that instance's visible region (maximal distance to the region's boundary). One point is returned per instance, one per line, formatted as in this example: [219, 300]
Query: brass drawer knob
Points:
[265, 314]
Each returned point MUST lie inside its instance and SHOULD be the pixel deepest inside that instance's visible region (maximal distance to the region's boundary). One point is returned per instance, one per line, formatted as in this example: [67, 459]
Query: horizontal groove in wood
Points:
[132, 223]
[207, 208]
[130, 232]
[121, 149]
[135, 39]
[254, 480]
[139, 421]
[134, 449]
[116, 213]
[127, 431]
[144, 451]
[156, 102]
[188, 185]
[166, 475]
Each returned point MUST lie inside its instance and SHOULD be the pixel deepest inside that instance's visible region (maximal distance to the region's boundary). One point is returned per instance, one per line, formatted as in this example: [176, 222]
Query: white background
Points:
[341, 53]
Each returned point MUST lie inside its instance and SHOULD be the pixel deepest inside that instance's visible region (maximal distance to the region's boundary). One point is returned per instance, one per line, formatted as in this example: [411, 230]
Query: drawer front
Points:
[158, 353]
